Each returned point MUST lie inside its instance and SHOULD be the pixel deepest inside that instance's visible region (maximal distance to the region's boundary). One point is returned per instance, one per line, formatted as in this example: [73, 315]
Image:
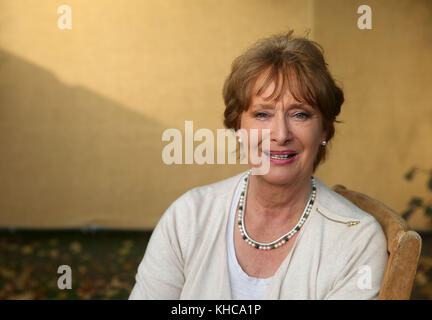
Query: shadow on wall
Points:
[71, 157]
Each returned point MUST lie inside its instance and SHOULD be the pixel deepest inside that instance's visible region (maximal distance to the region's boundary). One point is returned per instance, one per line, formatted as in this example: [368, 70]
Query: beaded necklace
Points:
[282, 240]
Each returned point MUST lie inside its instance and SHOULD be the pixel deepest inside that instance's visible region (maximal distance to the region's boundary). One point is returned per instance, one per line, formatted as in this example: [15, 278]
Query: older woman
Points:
[278, 235]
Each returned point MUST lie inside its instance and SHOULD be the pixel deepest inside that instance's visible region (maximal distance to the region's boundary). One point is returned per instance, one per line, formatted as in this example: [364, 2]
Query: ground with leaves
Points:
[103, 264]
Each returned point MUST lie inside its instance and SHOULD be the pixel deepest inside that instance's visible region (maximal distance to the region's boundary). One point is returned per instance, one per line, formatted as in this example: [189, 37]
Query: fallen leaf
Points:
[75, 247]
[127, 266]
[124, 251]
[53, 242]
[421, 278]
[27, 249]
[23, 296]
[82, 269]
[7, 273]
[426, 263]
[53, 253]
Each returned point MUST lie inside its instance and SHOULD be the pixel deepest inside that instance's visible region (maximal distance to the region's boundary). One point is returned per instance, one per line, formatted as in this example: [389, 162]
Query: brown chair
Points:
[403, 245]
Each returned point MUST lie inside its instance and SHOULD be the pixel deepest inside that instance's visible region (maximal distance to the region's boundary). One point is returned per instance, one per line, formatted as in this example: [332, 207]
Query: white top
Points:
[243, 287]
[186, 257]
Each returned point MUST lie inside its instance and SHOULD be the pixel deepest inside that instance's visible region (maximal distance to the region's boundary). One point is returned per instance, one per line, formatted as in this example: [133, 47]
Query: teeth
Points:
[282, 156]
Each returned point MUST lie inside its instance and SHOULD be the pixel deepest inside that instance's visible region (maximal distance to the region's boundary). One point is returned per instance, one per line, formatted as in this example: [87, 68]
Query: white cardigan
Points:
[186, 257]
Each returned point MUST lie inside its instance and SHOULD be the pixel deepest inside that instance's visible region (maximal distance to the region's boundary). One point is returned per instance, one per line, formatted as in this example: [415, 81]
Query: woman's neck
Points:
[277, 201]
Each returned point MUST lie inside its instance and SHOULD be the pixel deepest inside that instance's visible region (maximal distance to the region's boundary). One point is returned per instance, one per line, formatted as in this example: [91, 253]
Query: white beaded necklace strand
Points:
[282, 240]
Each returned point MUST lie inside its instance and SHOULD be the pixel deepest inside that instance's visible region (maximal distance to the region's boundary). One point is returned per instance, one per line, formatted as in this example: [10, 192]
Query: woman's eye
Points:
[261, 115]
[301, 116]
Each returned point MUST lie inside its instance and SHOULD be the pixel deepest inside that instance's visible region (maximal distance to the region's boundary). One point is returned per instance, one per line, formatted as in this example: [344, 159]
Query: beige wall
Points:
[386, 74]
[82, 111]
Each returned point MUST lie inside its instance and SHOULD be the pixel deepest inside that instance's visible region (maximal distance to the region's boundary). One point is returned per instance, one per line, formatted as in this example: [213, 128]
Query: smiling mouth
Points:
[280, 156]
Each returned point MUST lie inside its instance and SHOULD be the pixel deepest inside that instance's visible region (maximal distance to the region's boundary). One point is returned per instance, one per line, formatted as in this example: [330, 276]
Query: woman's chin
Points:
[278, 175]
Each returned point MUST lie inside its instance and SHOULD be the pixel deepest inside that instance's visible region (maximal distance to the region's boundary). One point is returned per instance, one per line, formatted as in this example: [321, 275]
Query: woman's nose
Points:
[280, 131]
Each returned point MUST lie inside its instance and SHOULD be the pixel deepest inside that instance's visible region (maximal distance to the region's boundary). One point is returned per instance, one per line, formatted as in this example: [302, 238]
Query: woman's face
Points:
[295, 131]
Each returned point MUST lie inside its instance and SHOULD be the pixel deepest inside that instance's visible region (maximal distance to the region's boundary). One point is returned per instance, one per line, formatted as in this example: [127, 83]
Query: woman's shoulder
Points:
[219, 188]
[345, 219]
[347, 225]
[194, 203]
[331, 203]
[198, 209]
[209, 192]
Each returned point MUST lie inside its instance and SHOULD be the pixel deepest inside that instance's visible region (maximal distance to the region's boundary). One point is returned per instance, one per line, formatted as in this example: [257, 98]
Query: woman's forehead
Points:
[265, 96]
[276, 87]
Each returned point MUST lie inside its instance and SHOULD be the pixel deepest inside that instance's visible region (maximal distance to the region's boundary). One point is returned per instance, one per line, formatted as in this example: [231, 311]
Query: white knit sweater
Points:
[186, 257]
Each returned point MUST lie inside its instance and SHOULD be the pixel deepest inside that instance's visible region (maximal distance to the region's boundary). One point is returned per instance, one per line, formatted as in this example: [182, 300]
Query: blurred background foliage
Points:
[418, 203]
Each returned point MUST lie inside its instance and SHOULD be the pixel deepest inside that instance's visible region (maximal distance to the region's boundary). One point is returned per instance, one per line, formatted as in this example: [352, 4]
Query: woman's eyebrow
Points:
[265, 106]
[271, 106]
